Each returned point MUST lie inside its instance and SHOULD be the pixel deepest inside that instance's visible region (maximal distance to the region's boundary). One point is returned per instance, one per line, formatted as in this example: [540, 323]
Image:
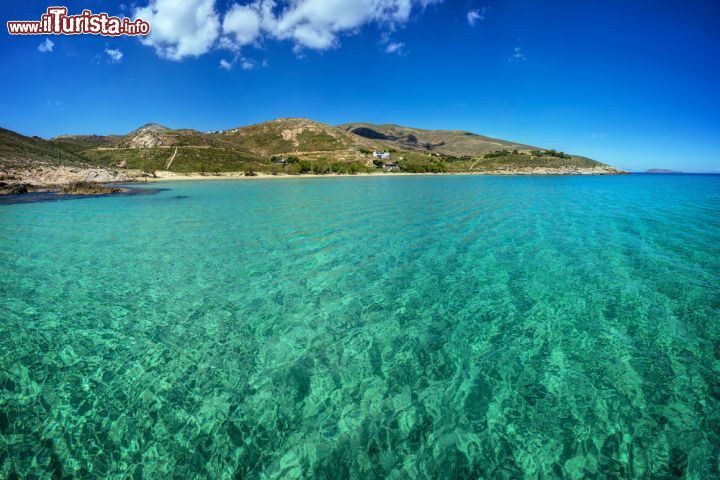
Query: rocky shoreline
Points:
[75, 188]
[97, 181]
[61, 180]
[599, 170]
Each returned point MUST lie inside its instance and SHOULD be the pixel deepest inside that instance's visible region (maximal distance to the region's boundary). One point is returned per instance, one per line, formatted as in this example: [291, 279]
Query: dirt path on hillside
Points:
[172, 157]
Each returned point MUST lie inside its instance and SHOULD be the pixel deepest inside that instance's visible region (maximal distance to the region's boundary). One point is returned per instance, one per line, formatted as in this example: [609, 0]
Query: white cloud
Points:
[180, 28]
[473, 16]
[114, 54]
[394, 47]
[245, 63]
[314, 24]
[318, 38]
[391, 46]
[517, 55]
[46, 46]
[242, 24]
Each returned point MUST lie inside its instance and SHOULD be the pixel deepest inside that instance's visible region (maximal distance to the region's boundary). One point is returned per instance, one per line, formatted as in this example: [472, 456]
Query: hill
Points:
[35, 162]
[291, 146]
[295, 135]
[18, 150]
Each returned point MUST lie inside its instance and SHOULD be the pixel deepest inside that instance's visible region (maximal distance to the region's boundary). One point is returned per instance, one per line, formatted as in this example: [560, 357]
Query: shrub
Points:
[304, 166]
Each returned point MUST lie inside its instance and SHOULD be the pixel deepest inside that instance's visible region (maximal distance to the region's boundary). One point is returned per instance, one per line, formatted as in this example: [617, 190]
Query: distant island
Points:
[282, 147]
[660, 170]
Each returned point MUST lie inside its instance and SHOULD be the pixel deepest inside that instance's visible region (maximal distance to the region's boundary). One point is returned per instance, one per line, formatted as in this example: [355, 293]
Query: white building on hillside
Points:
[381, 155]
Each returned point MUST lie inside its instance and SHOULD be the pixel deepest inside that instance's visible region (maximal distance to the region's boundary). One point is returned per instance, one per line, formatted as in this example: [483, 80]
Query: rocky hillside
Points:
[150, 136]
[16, 149]
[457, 143]
[295, 135]
[38, 162]
[281, 136]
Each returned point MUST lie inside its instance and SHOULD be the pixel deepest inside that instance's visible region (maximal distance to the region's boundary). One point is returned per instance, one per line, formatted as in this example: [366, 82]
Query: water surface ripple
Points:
[415, 327]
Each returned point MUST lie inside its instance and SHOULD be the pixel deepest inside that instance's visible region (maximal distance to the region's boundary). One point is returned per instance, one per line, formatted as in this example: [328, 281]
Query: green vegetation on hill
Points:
[535, 159]
[16, 149]
[187, 159]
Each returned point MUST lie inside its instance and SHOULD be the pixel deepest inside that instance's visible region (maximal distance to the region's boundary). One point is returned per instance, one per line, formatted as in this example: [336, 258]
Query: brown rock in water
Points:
[88, 188]
[13, 189]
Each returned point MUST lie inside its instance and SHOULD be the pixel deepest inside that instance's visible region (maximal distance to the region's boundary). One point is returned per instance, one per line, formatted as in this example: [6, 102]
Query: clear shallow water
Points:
[56, 197]
[452, 327]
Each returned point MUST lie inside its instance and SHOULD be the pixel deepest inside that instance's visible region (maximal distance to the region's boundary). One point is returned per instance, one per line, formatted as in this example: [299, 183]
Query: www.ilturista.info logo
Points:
[57, 22]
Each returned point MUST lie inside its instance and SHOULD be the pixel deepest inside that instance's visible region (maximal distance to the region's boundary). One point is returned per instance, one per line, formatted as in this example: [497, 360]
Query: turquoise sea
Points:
[386, 327]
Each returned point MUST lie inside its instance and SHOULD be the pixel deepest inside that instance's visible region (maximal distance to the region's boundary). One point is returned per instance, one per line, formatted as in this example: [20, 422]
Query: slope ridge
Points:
[447, 142]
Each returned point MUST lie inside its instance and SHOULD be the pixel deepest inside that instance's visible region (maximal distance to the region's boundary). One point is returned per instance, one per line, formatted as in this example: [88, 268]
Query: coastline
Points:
[89, 181]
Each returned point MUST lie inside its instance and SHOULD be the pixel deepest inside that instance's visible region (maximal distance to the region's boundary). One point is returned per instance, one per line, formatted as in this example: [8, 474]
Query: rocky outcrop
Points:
[145, 140]
[570, 170]
[88, 188]
[13, 189]
[49, 175]
[68, 180]
[150, 136]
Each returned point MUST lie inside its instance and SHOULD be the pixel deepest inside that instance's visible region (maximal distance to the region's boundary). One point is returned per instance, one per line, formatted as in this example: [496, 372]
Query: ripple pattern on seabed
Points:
[415, 327]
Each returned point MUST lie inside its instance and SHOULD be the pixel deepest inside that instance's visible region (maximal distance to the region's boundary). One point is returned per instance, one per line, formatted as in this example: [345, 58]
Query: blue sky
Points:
[633, 84]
